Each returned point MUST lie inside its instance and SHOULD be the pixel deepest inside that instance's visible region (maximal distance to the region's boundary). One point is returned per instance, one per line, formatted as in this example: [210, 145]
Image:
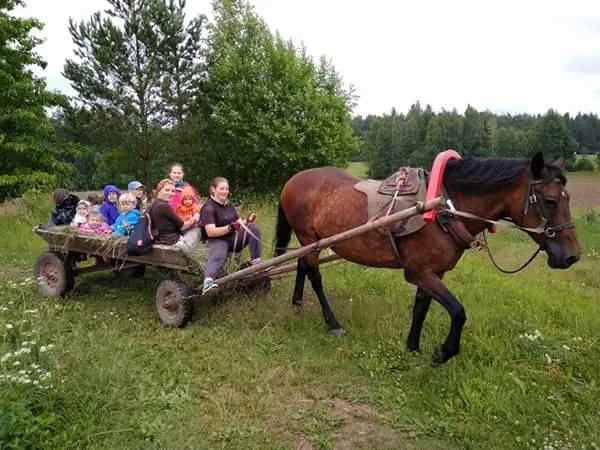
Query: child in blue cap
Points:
[137, 189]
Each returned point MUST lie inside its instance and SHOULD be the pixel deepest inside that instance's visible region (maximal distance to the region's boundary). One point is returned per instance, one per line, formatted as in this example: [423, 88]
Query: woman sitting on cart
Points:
[225, 232]
[168, 225]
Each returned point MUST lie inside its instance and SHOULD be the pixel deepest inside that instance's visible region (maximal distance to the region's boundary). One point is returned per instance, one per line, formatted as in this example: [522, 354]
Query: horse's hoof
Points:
[416, 350]
[438, 357]
[337, 332]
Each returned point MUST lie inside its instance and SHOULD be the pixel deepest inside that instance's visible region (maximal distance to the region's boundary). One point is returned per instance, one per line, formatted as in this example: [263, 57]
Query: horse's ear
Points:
[537, 165]
[559, 163]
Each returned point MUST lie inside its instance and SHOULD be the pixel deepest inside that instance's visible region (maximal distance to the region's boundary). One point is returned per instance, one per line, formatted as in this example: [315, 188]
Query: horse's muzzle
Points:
[562, 263]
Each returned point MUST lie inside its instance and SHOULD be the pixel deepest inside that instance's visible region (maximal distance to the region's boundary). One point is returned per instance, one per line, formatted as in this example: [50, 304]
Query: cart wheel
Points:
[53, 276]
[174, 303]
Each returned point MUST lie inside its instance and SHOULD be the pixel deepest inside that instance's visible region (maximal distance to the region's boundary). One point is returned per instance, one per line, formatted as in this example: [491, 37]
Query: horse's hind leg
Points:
[422, 302]
[301, 272]
[432, 285]
[314, 275]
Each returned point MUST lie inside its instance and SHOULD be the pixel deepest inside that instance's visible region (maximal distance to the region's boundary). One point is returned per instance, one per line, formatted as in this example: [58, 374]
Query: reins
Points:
[508, 271]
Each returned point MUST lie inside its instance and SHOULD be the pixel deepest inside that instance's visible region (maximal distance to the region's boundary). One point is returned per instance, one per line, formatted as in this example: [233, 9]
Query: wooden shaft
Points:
[329, 241]
[290, 268]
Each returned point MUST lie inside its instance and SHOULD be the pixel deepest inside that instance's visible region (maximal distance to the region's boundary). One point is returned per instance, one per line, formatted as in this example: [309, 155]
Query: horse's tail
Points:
[283, 232]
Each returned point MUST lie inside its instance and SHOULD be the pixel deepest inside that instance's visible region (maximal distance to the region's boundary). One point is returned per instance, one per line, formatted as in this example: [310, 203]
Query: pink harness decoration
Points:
[436, 180]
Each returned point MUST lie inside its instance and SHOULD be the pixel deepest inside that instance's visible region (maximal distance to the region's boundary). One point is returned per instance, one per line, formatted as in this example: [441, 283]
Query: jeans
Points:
[189, 238]
[219, 248]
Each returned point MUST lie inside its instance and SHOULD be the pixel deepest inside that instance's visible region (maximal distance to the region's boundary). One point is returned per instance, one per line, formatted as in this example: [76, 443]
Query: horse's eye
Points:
[550, 202]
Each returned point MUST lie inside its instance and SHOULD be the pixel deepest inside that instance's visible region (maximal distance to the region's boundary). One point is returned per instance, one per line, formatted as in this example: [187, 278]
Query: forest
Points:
[225, 96]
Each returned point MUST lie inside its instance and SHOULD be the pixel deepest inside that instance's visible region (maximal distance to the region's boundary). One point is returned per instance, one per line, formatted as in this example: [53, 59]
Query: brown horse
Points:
[317, 203]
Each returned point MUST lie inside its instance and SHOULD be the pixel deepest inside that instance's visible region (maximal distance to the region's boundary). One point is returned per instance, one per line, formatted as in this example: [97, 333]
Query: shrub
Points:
[584, 165]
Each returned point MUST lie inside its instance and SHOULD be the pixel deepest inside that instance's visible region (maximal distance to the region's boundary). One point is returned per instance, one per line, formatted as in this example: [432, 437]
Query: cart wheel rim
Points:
[170, 304]
[50, 275]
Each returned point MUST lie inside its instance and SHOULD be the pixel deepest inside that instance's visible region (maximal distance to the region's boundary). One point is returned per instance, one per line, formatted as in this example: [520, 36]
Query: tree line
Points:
[225, 96]
[390, 140]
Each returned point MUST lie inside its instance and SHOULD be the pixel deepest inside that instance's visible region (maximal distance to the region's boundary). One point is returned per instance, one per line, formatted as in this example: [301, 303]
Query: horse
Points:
[320, 202]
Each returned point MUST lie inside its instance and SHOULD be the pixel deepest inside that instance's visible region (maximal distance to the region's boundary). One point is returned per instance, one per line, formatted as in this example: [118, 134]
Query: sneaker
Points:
[208, 285]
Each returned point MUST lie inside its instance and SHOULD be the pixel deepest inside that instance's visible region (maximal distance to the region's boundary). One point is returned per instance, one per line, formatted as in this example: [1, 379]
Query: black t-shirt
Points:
[166, 222]
[215, 213]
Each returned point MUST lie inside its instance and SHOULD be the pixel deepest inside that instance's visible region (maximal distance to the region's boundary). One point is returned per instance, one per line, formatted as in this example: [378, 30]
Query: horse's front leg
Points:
[431, 285]
[422, 302]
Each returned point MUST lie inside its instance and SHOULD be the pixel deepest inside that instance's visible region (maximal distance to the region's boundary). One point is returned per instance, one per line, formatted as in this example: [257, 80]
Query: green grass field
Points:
[97, 370]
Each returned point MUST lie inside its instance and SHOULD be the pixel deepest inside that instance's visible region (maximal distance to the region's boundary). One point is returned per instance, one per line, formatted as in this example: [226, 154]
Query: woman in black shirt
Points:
[166, 222]
[224, 231]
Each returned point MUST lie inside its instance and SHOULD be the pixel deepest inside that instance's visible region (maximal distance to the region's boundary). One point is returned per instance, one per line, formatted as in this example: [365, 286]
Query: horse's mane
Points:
[479, 175]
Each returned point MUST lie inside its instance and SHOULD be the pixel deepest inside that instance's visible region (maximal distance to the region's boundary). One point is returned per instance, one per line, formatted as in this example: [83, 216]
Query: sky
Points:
[513, 56]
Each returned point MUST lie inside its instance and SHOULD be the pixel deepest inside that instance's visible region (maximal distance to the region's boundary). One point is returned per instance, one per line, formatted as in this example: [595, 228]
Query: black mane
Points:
[480, 175]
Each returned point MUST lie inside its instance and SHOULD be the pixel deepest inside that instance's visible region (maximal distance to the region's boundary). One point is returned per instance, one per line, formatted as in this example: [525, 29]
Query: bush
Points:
[584, 164]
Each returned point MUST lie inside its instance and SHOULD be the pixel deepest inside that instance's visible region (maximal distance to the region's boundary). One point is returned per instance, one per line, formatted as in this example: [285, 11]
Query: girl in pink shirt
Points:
[95, 224]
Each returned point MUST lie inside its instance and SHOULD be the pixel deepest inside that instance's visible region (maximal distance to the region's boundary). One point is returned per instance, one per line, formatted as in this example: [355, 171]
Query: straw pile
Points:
[107, 246]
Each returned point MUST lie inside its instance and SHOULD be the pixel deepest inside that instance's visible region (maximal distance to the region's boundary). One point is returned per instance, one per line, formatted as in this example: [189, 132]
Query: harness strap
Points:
[457, 230]
[540, 229]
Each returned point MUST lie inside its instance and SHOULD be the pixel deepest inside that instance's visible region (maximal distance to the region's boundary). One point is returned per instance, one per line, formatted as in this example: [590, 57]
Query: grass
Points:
[249, 373]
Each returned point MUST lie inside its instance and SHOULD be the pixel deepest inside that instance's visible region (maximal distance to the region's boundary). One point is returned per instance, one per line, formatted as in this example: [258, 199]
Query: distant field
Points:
[358, 168]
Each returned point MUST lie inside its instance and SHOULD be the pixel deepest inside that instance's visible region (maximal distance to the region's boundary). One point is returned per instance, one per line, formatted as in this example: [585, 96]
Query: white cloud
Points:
[512, 56]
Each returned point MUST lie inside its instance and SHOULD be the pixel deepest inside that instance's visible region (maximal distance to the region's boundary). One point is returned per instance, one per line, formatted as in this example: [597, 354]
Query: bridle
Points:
[545, 226]
[531, 199]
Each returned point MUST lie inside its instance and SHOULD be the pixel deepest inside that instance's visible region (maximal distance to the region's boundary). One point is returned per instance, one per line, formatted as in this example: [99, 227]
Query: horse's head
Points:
[546, 207]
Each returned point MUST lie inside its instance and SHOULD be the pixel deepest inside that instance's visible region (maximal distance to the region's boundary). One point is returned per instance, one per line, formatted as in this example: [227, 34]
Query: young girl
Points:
[176, 176]
[109, 207]
[189, 209]
[129, 215]
[95, 224]
[82, 210]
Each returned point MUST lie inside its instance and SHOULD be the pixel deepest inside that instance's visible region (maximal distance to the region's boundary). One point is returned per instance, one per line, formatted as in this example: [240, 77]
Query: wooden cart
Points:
[69, 253]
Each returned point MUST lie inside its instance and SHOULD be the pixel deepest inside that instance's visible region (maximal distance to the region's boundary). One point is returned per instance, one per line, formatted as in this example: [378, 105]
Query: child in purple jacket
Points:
[109, 209]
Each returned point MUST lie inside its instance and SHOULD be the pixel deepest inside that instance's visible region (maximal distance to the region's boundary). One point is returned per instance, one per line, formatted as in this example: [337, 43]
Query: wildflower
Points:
[566, 347]
[43, 349]
[6, 357]
[17, 363]
[9, 326]
[30, 311]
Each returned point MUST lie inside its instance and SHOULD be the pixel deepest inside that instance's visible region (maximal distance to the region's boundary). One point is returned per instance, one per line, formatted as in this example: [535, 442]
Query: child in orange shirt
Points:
[189, 208]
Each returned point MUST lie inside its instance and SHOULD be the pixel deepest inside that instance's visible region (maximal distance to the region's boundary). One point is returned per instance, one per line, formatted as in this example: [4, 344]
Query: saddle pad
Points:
[378, 204]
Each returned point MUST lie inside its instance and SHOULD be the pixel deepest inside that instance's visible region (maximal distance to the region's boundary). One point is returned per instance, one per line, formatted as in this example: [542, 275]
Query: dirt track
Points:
[584, 191]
